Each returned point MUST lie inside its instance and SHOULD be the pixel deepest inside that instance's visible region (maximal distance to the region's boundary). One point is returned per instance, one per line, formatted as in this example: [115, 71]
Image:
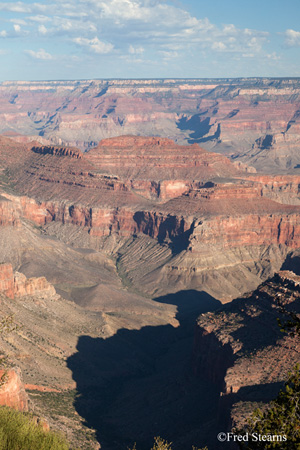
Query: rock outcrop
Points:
[156, 159]
[12, 390]
[217, 221]
[17, 285]
[7, 280]
[254, 120]
[58, 151]
[32, 286]
[241, 346]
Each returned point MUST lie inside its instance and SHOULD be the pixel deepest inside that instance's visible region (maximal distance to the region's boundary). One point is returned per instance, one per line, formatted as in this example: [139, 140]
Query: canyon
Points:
[131, 210]
[251, 120]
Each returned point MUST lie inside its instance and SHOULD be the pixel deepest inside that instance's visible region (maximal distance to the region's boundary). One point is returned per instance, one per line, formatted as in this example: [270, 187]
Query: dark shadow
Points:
[168, 229]
[139, 384]
[102, 92]
[260, 392]
[292, 262]
[233, 113]
[199, 129]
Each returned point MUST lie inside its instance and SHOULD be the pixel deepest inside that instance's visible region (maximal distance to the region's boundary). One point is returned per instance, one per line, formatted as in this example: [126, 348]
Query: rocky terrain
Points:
[255, 121]
[181, 226]
[109, 256]
[250, 365]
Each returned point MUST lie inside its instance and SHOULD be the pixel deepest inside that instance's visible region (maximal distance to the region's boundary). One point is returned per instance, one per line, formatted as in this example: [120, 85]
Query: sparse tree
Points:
[282, 416]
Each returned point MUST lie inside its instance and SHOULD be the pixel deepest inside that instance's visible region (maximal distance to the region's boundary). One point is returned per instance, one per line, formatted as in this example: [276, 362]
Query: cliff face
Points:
[12, 391]
[217, 221]
[17, 285]
[241, 346]
[58, 151]
[7, 280]
[255, 121]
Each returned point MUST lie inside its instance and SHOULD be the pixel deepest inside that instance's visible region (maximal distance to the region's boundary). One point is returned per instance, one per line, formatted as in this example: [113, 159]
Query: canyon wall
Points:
[17, 285]
[253, 121]
[242, 348]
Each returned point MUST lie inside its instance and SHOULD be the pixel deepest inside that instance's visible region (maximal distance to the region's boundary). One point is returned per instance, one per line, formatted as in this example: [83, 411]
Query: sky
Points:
[89, 39]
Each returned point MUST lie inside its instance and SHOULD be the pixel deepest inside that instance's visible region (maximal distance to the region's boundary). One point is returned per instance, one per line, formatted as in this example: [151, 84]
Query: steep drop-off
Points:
[214, 222]
[242, 348]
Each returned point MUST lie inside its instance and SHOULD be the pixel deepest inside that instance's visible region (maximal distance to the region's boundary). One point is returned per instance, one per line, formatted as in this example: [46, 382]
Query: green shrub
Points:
[19, 432]
[282, 418]
[161, 444]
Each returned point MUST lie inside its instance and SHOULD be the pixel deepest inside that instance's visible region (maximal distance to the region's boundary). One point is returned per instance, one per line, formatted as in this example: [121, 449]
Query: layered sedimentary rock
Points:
[133, 157]
[12, 390]
[211, 219]
[7, 280]
[17, 285]
[253, 120]
[58, 151]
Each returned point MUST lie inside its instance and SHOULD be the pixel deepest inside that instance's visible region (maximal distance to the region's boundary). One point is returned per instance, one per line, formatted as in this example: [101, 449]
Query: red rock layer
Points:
[31, 286]
[7, 280]
[158, 159]
[58, 151]
[229, 232]
[12, 391]
[17, 285]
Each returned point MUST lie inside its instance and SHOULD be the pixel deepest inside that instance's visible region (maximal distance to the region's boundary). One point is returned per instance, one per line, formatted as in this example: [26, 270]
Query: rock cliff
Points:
[12, 390]
[210, 219]
[254, 120]
[241, 347]
[7, 280]
[17, 285]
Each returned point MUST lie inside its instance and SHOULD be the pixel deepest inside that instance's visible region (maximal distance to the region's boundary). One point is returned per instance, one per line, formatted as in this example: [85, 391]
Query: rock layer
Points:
[253, 120]
[17, 285]
[219, 222]
[12, 391]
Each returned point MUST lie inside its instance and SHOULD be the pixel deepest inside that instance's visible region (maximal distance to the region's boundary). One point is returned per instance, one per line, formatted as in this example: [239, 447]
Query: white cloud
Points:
[42, 29]
[168, 55]
[219, 46]
[17, 28]
[94, 45]
[138, 50]
[18, 21]
[292, 38]
[18, 7]
[3, 33]
[39, 18]
[136, 27]
[41, 54]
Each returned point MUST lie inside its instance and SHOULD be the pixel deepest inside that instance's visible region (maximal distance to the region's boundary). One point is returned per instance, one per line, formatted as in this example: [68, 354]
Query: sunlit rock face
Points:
[255, 121]
[214, 224]
[12, 390]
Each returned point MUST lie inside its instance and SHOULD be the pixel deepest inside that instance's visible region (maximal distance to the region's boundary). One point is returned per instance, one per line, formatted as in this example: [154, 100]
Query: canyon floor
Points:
[120, 265]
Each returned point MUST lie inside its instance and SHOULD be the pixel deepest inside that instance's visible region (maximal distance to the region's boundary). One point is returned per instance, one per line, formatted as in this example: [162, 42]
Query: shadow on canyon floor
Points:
[292, 263]
[139, 384]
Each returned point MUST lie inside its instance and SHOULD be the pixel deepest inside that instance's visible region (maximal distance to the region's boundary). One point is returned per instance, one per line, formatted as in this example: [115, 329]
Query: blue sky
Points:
[79, 39]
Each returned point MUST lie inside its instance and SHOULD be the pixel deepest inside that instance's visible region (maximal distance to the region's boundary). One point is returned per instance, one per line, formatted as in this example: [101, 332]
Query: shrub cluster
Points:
[18, 431]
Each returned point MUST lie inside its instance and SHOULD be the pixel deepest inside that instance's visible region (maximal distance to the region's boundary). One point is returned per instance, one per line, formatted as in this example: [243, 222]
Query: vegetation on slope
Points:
[161, 444]
[278, 427]
[18, 431]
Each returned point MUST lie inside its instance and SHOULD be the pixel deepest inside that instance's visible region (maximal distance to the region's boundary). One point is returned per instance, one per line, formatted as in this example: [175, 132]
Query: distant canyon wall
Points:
[255, 121]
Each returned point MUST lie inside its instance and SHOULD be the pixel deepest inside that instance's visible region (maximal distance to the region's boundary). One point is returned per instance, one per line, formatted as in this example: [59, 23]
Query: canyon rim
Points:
[149, 219]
